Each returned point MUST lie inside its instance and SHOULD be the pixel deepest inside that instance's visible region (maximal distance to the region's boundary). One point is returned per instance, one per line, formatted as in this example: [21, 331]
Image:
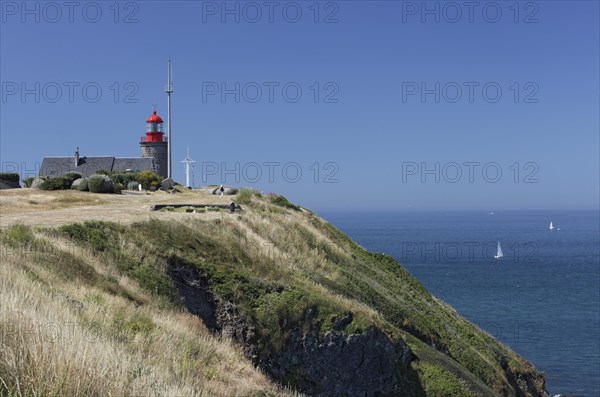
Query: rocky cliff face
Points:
[338, 364]
[342, 364]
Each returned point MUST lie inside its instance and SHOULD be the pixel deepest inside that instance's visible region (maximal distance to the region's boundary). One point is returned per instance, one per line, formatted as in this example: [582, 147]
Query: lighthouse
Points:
[155, 145]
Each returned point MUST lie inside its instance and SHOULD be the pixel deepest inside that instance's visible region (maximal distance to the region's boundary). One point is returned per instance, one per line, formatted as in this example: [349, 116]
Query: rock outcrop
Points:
[342, 364]
[338, 364]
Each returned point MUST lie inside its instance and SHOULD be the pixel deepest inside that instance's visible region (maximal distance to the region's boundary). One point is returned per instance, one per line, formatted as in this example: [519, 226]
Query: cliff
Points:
[287, 304]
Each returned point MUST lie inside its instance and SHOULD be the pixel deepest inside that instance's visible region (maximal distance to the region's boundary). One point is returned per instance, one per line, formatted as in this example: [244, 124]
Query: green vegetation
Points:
[97, 235]
[244, 196]
[83, 186]
[105, 238]
[118, 188]
[148, 179]
[293, 273]
[124, 178]
[100, 184]
[441, 383]
[56, 183]
[18, 236]
[283, 202]
[10, 177]
[28, 181]
[72, 176]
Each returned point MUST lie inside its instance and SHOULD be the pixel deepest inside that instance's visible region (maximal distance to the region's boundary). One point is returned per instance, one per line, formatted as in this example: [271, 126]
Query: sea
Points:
[542, 298]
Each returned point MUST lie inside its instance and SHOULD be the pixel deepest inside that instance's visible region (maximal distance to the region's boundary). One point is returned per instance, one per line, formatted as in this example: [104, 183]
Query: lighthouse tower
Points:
[155, 145]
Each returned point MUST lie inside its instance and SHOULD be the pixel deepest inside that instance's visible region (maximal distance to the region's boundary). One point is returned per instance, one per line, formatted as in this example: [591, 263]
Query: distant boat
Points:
[499, 253]
[551, 227]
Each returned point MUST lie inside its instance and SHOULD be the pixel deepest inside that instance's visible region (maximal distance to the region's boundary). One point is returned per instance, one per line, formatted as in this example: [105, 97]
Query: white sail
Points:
[499, 253]
[551, 226]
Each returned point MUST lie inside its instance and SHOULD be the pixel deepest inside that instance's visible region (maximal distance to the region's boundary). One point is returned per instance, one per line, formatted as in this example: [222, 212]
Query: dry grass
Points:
[19, 201]
[55, 208]
[60, 337]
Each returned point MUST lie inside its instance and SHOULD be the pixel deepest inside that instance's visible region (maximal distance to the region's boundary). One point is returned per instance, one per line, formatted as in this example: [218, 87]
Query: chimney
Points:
[76, 156]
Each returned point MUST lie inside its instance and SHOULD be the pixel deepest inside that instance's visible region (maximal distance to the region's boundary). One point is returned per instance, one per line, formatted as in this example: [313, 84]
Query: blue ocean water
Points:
[542, 298]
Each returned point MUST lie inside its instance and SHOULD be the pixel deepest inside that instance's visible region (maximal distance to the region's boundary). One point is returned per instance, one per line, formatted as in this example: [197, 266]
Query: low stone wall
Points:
[158, 207]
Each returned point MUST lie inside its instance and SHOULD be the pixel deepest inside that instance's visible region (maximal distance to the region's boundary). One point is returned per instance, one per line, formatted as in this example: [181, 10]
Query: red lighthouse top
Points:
[155, 118]
[154, 132]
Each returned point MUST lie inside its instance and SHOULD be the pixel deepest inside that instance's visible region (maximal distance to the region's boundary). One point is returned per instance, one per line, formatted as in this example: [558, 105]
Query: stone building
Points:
[153, 148]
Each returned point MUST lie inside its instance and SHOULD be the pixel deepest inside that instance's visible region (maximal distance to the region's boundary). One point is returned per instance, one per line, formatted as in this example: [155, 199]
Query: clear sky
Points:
[351, 104]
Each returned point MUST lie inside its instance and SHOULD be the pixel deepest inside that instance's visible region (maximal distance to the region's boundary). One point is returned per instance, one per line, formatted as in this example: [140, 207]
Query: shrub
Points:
[95, 183]
[73, 175]
[245, 196]
[283, 202]
[100, 236]
[124, 178]
[118, 188]
[133, 185]
[18, 235]
[10, 177]
[149, 180]
[102, 171]
[83, 186]
[56, 183]
[69, 178]
[27, 181]
[100, 184]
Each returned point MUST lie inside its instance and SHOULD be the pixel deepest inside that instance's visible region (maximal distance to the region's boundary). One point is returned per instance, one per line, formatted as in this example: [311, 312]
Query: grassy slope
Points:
[274, 262]
[72, 324]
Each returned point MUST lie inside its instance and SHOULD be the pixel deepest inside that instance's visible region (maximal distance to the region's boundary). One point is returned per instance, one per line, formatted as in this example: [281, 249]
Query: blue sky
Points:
[360, 135]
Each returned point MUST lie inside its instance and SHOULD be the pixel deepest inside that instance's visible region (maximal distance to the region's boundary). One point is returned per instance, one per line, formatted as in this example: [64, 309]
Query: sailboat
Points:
[551, 227]
[499, 253]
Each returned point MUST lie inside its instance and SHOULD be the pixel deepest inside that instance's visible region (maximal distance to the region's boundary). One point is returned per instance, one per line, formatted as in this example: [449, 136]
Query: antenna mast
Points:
[169, 90]
[187, 161]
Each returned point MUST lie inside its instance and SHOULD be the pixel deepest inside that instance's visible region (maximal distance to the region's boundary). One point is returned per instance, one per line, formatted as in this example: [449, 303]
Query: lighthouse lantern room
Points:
[154, 130]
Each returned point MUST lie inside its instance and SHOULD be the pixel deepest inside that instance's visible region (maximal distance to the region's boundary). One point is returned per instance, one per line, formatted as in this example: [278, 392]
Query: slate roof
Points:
[56, 166]
[123, 164]
[89, 165]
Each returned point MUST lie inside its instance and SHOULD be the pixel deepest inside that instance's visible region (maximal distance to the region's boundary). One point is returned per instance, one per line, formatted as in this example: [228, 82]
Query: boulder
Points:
[37, 182]
[167, 184]
[76, 183]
